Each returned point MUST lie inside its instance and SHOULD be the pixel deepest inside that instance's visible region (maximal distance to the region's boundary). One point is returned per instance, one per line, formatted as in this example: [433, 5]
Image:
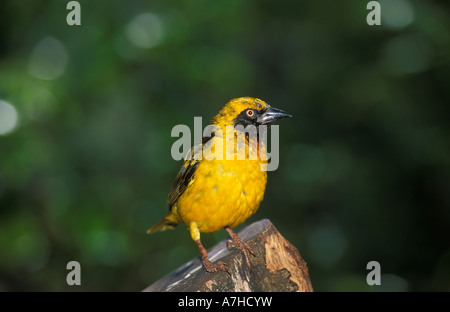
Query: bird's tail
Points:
[169, 221]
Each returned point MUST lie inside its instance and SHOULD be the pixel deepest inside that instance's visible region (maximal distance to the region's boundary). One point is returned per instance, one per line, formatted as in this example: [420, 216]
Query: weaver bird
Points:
[209, 193]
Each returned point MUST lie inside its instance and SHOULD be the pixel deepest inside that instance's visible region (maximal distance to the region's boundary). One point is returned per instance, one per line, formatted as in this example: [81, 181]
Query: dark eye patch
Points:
[246, 117]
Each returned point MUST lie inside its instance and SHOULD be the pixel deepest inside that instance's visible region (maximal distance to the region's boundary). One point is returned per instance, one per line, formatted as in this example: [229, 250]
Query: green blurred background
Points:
[86, 114]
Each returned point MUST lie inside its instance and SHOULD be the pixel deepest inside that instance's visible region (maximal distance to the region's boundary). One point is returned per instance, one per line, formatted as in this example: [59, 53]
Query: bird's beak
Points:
[270, 115]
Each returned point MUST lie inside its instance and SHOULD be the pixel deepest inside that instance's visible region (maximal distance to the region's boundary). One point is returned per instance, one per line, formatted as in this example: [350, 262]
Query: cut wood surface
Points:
[276, 266]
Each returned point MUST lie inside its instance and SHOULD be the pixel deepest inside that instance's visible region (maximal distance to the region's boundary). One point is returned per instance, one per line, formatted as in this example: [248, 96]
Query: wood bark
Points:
[276, 266]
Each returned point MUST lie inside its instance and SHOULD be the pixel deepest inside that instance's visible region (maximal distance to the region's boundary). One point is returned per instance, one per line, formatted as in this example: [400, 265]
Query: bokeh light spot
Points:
[407, 54]
[396, 13]
[145, 31]
[48, 59]
[8, 118]
[391, 283]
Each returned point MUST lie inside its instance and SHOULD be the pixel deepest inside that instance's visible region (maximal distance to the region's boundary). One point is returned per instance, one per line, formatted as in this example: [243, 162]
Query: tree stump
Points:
[276, 266]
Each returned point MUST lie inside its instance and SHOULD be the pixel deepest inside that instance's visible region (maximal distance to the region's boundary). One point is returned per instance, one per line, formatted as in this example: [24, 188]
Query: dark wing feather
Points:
[186, 174]
[182, 180]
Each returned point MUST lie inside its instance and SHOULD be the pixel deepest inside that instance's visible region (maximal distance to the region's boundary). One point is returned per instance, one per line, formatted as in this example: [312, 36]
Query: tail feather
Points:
[169, 221]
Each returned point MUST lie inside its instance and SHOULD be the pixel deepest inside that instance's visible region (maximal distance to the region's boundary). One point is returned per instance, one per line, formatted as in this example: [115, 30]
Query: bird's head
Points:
[247, 111]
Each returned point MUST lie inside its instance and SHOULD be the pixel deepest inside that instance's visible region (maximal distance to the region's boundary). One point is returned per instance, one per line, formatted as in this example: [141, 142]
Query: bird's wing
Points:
[186, 175]
[183, 179]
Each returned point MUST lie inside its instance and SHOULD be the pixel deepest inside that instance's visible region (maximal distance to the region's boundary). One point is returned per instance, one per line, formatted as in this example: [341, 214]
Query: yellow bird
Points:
[220, 187]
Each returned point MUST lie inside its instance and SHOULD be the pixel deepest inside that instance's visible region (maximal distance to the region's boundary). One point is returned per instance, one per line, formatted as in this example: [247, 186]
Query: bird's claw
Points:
[238, 243]
[215, 267]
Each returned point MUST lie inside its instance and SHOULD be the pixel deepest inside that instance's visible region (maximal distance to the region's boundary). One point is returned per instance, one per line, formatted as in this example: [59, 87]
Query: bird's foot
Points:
[207, 264]
[238, 243]
[215, 267]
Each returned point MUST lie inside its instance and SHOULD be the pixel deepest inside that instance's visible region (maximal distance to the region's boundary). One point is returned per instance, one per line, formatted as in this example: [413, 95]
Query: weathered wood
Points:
[276, 266]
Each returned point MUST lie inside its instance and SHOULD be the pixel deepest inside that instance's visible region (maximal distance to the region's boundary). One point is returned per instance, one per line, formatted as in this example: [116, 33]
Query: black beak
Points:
[270, 115]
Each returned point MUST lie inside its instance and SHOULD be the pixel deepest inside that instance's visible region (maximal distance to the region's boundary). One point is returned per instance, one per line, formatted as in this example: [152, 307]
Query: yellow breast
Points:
[223, 193]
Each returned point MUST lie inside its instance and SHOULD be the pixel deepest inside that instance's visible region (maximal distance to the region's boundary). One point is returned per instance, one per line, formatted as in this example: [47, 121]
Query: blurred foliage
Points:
[86, 114]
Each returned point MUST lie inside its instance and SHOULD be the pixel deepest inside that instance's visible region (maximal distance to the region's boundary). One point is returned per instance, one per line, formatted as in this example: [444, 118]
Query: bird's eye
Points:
[250, 113]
